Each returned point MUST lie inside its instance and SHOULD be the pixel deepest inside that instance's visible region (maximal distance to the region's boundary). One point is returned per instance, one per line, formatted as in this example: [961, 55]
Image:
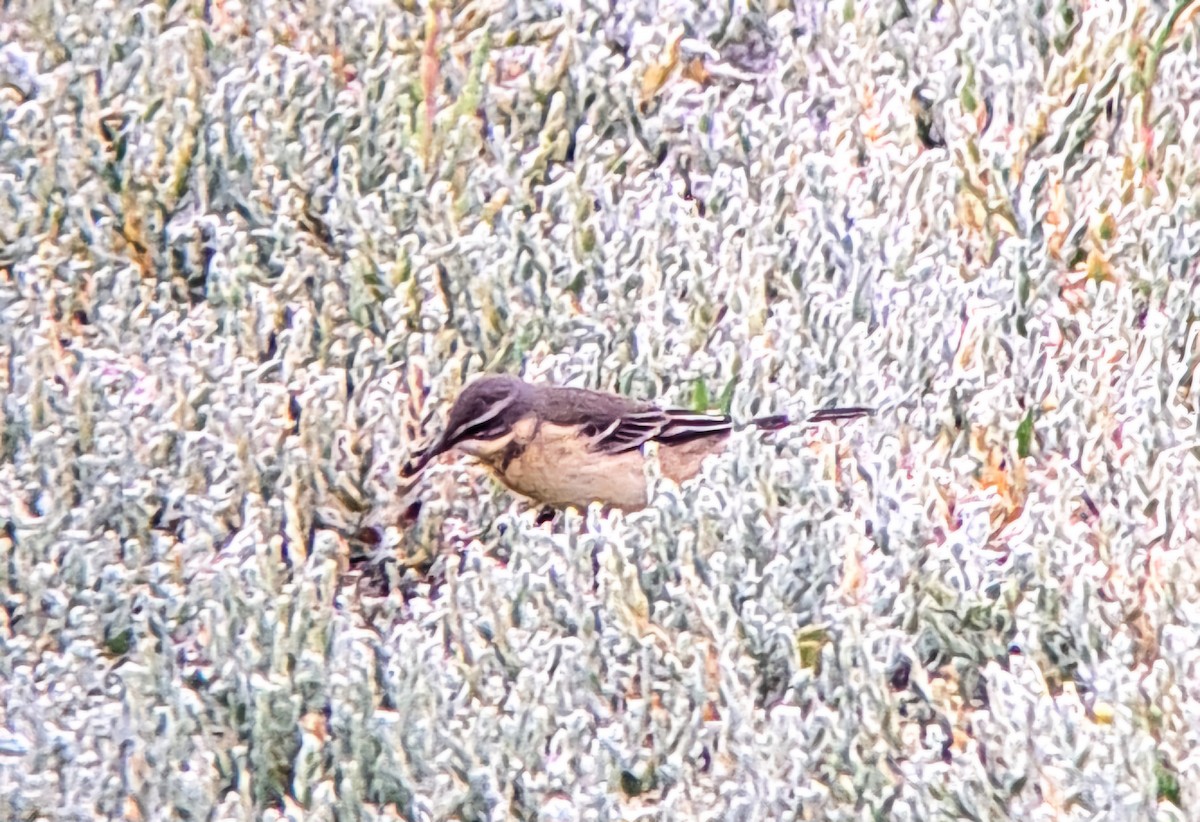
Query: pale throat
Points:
[493, 451]
[486, 450]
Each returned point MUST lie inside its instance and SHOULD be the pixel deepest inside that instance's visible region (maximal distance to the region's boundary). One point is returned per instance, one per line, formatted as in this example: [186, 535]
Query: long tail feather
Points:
[778, 421]
[772, 423]
[847, 413]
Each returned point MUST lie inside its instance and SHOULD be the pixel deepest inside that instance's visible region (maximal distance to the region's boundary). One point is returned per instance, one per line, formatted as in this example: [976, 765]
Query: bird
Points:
[568, 447]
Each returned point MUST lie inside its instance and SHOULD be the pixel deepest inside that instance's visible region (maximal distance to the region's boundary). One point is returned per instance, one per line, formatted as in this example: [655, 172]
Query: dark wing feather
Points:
[626, 432]
[630, 431]
[688, 425]
[615, 424]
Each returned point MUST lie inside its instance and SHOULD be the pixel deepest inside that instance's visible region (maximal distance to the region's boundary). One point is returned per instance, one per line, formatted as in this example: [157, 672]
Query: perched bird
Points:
[571, 446]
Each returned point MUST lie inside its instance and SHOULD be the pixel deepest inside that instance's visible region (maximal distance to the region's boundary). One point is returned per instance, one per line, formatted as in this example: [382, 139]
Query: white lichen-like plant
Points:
[250, 251]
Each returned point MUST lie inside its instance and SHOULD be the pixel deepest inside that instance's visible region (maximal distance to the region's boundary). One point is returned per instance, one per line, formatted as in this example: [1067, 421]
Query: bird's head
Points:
[481, 419]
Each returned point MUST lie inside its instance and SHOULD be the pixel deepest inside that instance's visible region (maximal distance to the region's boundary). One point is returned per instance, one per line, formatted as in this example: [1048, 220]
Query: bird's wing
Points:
[634, 429]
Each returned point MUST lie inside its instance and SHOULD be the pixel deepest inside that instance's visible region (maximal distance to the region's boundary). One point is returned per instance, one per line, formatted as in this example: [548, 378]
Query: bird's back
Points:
[576, 406]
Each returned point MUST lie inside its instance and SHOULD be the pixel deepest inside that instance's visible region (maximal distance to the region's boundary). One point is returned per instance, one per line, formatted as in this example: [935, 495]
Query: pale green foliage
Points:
[233, 236]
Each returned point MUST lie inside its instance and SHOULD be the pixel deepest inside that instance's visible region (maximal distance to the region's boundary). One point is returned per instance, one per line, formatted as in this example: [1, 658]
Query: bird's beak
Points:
[425, 456]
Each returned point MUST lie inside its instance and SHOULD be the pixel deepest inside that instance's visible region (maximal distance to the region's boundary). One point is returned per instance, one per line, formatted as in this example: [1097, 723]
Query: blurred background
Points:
[250, 251]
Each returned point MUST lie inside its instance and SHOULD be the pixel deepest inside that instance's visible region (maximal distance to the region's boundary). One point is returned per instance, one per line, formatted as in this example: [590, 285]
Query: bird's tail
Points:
[778, 421]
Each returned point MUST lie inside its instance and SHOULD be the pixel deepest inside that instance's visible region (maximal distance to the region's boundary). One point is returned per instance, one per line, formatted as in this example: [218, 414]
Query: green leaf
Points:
[1025, 435]
[726, 400]
[1168, 783]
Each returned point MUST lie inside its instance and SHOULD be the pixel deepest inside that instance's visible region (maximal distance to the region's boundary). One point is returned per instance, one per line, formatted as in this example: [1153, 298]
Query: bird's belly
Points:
[555, 467]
